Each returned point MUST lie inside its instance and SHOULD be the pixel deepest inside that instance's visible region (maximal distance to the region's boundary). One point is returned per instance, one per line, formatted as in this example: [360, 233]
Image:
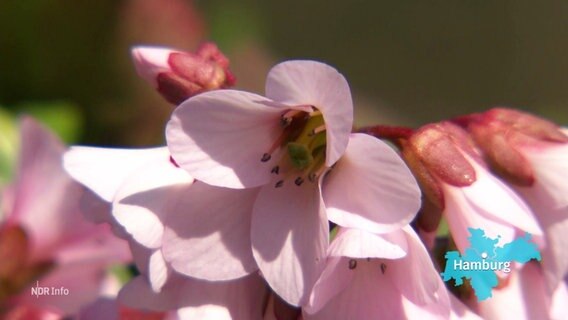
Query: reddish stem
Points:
[391, 133]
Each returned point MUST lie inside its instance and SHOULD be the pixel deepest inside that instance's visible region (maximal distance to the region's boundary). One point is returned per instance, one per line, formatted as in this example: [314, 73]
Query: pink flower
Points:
[455, 180]
[44, 234]
[192, 298]
[370, 276]
[284, 144]
[178, 75]
[186, 224]
[532, 154]
[526, 297]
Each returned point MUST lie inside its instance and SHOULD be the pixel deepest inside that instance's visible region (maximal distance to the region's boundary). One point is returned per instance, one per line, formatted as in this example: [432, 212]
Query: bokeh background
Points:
[408, 62]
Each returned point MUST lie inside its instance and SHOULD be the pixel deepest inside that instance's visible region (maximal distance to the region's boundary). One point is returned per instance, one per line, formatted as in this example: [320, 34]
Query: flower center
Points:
[303, 141]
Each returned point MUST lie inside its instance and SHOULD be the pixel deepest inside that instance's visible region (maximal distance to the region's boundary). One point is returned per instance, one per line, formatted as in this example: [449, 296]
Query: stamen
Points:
[279, 184]
[265, 157]
[312, 177]
[299, 181]
[315, 113]
[275, 170]
[290, 114]
[317, 130]
[352, 264]
[383, 268]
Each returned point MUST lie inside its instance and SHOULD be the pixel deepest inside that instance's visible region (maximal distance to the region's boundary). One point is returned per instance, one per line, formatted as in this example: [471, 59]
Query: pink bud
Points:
[436, 153]
[180, 75]
[501, 133]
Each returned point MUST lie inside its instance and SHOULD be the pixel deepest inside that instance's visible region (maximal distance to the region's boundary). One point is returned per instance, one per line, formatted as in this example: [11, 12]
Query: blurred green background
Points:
[408, 62]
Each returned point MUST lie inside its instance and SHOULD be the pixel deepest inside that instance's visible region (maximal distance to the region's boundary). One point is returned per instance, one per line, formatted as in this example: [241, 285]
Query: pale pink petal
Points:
[525, 296]
[370, 295]
[356, 243]
[290, 235]
[554, 222]
[496, 199]
[415, 276]
[314, 83]
[46, 201]
[463, 213]
[158, 271]
[558, 309]
[335, 278]
[236, 299]
[98, 245]
[550, 166]
[370, 188]
[460, 311]
[146, 197]
[219, 137]
[138, 294]
[440, 308]
[208, 232]
[150, 61]
[103, 170]
[101, 309]
[82, 280]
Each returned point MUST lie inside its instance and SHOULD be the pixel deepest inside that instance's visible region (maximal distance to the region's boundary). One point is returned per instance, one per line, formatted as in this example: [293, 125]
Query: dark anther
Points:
[285, 121]
[312, 177]
[279, 184]
[265, 157]
[275, 170]
[352, 264]
[368, 259]
[299, 181]
[383, 268]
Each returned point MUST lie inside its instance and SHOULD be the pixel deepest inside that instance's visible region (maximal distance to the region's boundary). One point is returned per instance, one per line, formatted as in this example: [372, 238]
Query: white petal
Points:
[314, 83]
[103, 170]
[370, 188]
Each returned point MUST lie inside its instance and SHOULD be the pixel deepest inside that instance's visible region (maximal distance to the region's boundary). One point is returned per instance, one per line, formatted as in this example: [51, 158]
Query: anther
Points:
[275, 170]
[315, 113]
[317, 130]
[265, 157]
[299, 181]
[352, 264]
[312, 177]
[285, 121]
[383, 268]
[279, 184]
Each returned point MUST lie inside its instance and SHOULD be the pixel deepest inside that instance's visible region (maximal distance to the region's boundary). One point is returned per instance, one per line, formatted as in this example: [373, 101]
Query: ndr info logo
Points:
[48, 291]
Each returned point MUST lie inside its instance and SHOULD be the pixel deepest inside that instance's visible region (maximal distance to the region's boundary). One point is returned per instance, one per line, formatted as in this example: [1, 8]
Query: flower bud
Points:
[178, 75]
[436, 154]
[502, 134]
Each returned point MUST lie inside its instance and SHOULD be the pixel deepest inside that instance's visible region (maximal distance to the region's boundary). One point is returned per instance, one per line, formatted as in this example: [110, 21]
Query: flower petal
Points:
[314, 83]
[424, 280]
[208, 233]
[463, 213]
[197, 299]
[355, 243]
[219, 137]
[290, 236]
[150, 61]
[144, 199]
[550, 166]
[370, 295]
[525, 295]
[370, 188]
[158, 271]
[335, 278]
[496, 199]
[104, 170]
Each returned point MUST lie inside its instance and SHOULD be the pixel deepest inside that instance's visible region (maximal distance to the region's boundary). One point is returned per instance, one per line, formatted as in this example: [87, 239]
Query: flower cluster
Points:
[275, 207]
